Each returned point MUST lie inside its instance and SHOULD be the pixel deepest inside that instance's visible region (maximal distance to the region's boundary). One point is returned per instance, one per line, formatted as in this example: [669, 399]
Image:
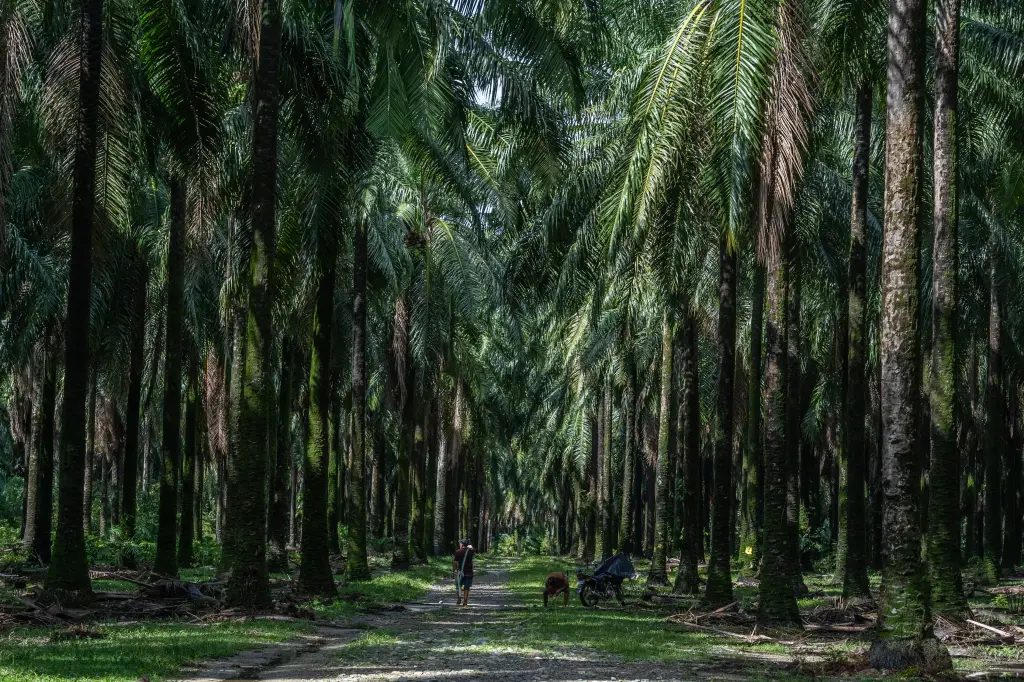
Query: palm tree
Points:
[315, 575]
[69, 570]
[944, 505]
[248, 465]
[663, 515]
[166, 561]
[903, 615]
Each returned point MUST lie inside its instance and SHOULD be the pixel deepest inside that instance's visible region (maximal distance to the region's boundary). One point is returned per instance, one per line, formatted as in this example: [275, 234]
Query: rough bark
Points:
[794, 417]
[129, 483]
[249, 584]
[90, 459]
[277, 519]
[691, 553]
[402, 357]
[626, 525]
[417, 489]
[750, 527]
[663, 513]
[995, 427]
[776, 601]
[335, 467]
[904, 614]
[69, 570]
[315, 575]
[38, 523]
[166, 561]
[607, 482]
[854, 568]
[186, 536]
[357, 568]
[718, 591]
[944, 508]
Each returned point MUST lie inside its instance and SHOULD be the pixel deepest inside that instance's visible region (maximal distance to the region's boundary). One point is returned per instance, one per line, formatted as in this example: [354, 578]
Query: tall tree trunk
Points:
[430, 480]
[903, 615]
[197, 505]
[357, 568]
[334, 470]
[90, 457]
[592, 492]
[277, 519]
[626, 525]
[777, 603]
[969, 434]
[1012, 468]
[249, 584]
[166, 561]
[69, 569]
[441, 490]
[944, 507]
[607, 482]
[102, 457]
[315, 575]
[186, 538]
[38, 523]
[417, 485]
[875, 493]
[750, 515]
[691, 553]
[665, 507]
[379, 501]
[995, 426]
[407, 406]
[855, 568]
[718, 591]
[794, 281]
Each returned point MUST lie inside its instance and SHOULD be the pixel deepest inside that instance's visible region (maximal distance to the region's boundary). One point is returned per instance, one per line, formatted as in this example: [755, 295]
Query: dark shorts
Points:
[466, 582]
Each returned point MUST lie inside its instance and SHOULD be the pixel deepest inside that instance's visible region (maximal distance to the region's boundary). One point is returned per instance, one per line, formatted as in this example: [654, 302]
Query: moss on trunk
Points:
[719, 587]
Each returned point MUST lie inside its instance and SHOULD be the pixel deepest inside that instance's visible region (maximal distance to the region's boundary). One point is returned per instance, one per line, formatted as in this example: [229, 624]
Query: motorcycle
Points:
[606, 581]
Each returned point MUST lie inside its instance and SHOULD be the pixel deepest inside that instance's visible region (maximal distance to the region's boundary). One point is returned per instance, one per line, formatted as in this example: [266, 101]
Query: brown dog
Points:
[556, 584]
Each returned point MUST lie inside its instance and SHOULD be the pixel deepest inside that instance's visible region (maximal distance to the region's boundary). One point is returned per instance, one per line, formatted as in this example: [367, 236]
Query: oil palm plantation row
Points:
[715, 279]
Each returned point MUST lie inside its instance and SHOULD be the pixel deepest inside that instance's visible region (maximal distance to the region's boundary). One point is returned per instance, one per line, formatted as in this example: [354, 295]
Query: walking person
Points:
[462, 564]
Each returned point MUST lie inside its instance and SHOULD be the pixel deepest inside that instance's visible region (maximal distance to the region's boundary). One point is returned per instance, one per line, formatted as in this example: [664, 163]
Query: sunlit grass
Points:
[125, 653]
[385, 587]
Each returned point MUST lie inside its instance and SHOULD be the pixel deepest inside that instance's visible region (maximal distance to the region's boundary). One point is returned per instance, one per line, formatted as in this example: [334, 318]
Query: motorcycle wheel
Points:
[588, 596]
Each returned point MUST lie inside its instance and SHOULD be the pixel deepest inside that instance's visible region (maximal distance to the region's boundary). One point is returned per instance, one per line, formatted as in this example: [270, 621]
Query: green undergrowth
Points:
[384, 588]
[125, 653]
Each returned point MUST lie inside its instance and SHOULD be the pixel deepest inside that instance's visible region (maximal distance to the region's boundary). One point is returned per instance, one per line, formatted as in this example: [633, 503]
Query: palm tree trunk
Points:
[38, 523]
[607, 481]
[170, 451]
[718, 591]
[750, 547]
[417, 476]
[378, 508]
[249, 585]
[277, 521]
[441, 490]
[315, 576]
[903, 614]
[358, 568]
[69, 569]
[853, 535]
[663, 514]
[406, 401]
[334, 469]
[186, 537]
[103, 458]
[777, 603]
[995, 427]
[944, 507]
[90, 457]
[1012, 467]
[432, 450]
[794, 281]
[687, 581]
[626, 525]
[875, 481]
[969, 451]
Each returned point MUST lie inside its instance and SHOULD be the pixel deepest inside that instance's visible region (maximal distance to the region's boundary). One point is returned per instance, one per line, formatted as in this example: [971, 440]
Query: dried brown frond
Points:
[788, 112]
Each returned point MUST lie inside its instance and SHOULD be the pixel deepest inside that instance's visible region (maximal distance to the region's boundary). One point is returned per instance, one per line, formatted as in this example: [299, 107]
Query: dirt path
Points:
[435, 641]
